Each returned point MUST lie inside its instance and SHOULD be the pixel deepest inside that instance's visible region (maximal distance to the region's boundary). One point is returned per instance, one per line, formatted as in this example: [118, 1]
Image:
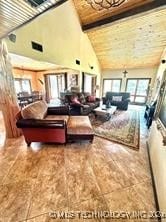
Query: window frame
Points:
[120, 79]
[20, 82]
[135, 95]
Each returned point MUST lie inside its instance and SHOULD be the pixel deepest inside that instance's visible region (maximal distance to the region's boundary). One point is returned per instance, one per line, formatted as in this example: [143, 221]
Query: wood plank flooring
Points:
[100, 176]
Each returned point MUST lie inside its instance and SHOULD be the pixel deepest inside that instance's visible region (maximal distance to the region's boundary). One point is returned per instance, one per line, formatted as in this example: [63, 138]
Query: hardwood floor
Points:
[100, 176]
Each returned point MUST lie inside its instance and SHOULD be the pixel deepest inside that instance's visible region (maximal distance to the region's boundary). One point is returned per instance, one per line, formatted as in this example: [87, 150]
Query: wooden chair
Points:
[35, 96]
[23, 99]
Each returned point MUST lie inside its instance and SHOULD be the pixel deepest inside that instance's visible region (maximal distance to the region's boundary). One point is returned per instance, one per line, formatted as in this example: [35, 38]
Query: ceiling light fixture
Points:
[104, 4]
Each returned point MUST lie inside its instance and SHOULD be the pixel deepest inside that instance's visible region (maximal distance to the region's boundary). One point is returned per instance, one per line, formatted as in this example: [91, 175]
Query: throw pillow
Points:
[91, 99]
[75, 100]
[117, 98]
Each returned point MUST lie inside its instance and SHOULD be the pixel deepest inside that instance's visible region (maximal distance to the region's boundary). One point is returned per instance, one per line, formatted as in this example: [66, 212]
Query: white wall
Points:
[132, 73]
[158, 159]
[158, 152]
[60, 33]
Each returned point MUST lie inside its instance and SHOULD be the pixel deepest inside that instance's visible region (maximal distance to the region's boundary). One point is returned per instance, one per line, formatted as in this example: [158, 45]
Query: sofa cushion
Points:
[36, 110]
[57, 117]
[91, 105]
[91, 99]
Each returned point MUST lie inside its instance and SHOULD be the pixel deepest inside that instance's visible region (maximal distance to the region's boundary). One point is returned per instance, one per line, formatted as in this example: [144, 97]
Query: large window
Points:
[138, 89]
[112, 85]
[22, 85]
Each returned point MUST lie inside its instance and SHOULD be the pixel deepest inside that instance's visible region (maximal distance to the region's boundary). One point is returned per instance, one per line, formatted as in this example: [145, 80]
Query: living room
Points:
[122, 168]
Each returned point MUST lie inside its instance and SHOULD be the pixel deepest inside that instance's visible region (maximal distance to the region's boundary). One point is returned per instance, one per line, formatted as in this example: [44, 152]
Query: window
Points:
[112, 85]
[138, 89]
[22, 85]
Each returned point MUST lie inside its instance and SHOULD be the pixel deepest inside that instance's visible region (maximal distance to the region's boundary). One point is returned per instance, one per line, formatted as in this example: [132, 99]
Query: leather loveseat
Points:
[121, 100]
[40, 123]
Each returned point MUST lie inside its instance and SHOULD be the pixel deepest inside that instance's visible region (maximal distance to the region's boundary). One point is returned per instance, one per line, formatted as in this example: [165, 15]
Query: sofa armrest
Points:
[76, 105]
[37, 123]
[104, 100]
[127, 100]
[98, 99]
[76, 109]
[58, 110]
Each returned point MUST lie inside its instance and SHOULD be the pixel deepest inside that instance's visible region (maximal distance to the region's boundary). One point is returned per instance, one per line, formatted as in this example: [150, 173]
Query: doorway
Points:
[138, 89]
[89, 83]
[55, 84]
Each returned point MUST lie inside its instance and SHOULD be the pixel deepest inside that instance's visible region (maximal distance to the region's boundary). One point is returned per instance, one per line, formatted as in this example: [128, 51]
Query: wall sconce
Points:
[41, 81]
[91, 67]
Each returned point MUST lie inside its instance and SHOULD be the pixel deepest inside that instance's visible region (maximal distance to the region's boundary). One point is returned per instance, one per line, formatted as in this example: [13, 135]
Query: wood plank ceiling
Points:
[15, 13]
[127, 43]
[133, 42]
[88, 15]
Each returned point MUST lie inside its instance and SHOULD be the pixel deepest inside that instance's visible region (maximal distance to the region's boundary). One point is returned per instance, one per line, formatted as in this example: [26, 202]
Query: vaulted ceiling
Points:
[88, 15]
[132, 35]
[135, 43]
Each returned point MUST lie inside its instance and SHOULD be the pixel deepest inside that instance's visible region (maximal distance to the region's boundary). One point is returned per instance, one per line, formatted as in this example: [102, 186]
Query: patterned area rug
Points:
[123, 127]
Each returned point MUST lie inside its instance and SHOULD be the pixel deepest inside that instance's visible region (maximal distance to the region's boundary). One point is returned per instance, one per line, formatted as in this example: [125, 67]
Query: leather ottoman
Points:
[79, 128]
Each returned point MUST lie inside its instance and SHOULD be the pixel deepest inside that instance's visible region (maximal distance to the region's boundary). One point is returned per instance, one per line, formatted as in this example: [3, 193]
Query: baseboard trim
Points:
[153, 182]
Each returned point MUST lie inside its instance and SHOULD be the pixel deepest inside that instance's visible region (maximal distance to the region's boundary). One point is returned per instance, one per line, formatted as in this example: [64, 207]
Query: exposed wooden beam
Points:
[132, 12]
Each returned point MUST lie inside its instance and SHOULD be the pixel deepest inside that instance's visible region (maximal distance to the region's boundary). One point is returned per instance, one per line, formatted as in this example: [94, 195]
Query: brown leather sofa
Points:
[84, 107]
[40, 123]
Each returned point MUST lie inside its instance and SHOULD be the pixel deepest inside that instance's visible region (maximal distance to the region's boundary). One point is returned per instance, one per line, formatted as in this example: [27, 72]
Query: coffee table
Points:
[105, 112]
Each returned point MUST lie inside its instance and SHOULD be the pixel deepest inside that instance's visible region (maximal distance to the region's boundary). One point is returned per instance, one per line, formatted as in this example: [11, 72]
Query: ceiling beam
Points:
[129, 13]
